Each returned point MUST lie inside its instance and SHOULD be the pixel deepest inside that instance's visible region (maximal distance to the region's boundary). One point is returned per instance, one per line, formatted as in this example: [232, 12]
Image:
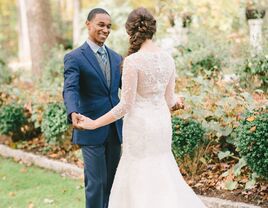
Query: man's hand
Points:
[179, 104]
[87, 123]
[76, 118]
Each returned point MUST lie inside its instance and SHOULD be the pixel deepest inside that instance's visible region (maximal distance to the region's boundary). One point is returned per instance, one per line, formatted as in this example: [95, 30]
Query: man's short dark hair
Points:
[95, 11]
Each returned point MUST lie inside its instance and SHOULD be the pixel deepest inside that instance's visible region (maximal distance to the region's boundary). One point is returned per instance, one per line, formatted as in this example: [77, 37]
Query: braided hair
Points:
[140, 25]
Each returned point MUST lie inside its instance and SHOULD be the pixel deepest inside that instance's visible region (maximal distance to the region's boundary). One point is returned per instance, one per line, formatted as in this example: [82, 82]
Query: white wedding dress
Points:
[147, 175]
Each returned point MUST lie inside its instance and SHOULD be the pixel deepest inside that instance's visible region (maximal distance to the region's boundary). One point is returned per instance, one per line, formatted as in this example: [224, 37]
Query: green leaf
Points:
[231, 185]
[250, 184]
[226, 131]
[222, 155]
[237, 168]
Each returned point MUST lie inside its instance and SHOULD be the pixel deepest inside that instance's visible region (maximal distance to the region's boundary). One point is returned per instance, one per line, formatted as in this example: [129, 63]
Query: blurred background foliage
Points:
[218, 17]
[224, 85]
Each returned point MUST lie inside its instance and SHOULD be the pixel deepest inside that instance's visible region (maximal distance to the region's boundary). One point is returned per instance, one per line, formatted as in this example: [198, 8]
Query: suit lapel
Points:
[91, 58]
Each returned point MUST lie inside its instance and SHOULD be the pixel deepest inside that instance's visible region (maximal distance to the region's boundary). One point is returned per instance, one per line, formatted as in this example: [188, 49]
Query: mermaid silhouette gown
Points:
[147, 175]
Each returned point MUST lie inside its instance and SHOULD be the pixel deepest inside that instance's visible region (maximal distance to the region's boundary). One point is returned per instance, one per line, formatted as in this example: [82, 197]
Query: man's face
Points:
[99, 28]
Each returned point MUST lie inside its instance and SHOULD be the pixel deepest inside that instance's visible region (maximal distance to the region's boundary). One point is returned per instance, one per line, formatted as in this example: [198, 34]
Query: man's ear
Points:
[87, 23]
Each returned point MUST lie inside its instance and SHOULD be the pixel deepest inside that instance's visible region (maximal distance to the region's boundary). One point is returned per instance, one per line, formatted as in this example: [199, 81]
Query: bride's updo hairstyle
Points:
[140, 25]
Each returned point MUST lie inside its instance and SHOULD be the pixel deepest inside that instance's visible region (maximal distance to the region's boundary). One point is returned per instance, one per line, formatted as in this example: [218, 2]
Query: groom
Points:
[91, 83]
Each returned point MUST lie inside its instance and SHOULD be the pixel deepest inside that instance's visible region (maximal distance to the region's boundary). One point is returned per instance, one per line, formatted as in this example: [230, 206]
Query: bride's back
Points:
[154, 72]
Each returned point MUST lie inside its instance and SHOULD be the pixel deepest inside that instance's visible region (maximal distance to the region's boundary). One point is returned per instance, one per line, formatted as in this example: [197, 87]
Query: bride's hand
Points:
[87, 123]
[179, 104]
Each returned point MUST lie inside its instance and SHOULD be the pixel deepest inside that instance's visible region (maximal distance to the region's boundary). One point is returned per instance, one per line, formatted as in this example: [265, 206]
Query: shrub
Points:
[187, 135]
[52, 76]
[37, 111]
[255, 67]
[204, 54]
[12, 119]
[208, 66]
[252, 141]
[54, 123]
[5, 75]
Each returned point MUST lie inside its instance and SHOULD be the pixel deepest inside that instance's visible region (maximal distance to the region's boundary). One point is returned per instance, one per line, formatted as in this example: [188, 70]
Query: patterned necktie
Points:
[102, 55]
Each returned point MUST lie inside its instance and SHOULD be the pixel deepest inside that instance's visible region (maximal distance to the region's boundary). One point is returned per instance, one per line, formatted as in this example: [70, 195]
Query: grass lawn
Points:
[32, 187]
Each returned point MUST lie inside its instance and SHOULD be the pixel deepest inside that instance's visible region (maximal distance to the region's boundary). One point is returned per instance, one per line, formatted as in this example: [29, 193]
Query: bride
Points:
[147, 175]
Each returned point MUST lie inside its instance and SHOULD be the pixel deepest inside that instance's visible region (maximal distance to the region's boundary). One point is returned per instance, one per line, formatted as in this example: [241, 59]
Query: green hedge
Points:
[54, 123]
[187, 135]
[11, 119]
[208, 66]
[252, 141]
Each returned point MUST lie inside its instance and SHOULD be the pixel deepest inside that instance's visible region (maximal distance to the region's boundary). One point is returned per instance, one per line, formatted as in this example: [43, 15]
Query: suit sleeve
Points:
[71, 85]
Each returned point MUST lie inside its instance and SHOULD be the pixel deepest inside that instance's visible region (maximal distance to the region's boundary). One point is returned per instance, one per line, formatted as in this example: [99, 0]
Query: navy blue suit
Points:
[86, 92]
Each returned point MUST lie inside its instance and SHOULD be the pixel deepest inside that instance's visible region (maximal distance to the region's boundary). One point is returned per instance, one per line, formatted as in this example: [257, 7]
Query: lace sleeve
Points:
[170, 90]
[129, 89]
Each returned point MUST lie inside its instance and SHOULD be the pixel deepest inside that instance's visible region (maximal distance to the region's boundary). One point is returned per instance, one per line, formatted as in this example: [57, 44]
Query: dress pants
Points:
[100, 163]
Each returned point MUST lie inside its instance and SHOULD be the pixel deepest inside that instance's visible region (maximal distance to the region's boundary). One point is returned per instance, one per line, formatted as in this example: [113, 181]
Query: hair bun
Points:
[143, 26]
[140, 25]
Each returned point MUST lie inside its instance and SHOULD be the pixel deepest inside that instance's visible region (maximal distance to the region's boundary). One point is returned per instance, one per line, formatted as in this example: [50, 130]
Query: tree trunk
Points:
[42, 37]
[24, 45]
[76, 22]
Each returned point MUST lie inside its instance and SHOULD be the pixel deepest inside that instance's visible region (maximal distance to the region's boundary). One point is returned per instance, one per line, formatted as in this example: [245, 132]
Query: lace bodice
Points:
[147, 77]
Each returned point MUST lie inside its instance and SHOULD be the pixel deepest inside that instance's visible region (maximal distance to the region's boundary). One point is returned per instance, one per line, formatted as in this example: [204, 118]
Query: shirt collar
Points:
[94, 46]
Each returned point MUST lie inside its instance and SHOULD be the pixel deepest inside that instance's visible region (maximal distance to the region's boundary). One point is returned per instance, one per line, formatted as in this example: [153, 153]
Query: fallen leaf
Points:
[251, 118]
[63, 160]
[252, 129]
[48, 201]
[53, 155]
[23, 170]
[198, 184]
[12, 194]
[30, 205]
[79, 187]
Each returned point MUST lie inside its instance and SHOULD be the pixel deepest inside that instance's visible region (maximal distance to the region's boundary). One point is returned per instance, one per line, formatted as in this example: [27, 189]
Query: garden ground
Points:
[27, 186]
[208, 182]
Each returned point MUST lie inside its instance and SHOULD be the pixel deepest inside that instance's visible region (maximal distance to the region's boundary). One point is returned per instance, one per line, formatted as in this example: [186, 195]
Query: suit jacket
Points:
[86, 92]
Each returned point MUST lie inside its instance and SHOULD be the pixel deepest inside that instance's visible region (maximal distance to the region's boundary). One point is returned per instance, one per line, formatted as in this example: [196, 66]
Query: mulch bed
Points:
[207, 182]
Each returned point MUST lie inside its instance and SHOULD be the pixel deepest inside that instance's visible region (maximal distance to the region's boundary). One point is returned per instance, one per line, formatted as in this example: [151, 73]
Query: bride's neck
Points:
[148, 44]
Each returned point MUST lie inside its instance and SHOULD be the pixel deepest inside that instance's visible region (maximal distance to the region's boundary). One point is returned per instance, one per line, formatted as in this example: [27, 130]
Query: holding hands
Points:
[82, 122]
[76, 119]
